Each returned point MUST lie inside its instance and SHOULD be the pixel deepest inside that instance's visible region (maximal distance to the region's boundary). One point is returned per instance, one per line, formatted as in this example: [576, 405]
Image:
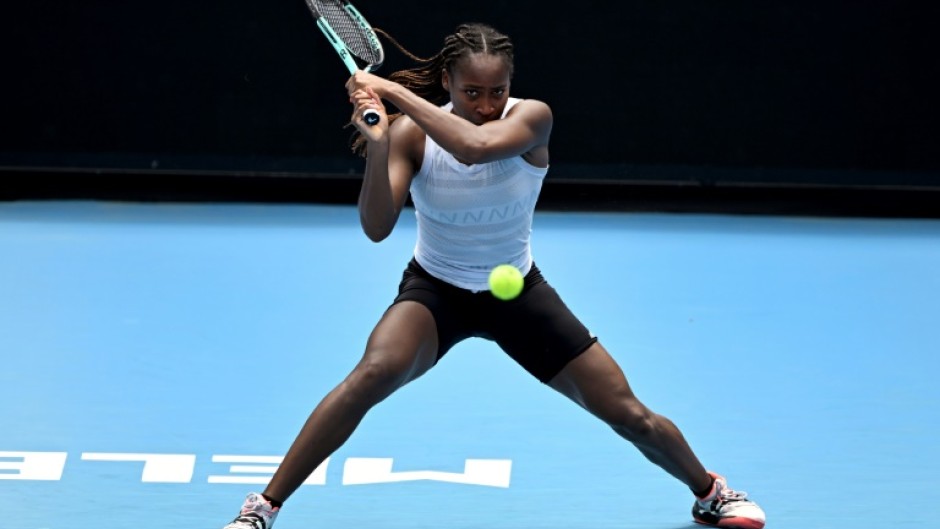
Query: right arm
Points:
[525, 128]
[391, 163]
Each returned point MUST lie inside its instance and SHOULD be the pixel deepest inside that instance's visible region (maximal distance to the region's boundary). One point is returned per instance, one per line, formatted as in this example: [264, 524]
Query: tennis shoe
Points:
[256, 513]
[727, 508]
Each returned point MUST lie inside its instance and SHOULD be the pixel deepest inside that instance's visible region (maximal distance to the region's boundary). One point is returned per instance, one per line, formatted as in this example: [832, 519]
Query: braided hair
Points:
[425, 79]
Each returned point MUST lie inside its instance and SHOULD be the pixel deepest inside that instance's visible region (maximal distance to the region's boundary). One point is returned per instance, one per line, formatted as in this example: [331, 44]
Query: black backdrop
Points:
[685, 90]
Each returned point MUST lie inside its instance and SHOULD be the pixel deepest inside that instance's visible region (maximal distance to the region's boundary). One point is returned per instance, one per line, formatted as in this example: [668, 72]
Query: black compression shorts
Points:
[536, 329]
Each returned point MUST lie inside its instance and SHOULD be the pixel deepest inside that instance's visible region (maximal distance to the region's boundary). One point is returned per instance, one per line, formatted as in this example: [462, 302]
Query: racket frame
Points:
[370, 116]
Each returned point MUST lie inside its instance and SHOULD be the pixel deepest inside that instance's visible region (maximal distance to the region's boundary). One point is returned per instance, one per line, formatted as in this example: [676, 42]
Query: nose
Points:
[486, 107]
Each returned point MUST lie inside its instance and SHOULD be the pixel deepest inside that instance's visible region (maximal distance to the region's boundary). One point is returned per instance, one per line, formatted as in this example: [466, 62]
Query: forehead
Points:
[482, 69]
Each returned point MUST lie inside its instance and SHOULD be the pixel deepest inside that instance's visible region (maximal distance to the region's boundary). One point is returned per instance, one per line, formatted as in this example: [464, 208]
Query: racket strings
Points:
[351, 33]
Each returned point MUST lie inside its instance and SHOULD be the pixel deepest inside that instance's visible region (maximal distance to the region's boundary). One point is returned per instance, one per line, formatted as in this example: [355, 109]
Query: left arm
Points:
[527, 126]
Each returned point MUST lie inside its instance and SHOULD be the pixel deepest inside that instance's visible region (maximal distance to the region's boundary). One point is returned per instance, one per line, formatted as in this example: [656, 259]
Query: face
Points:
[479, 87]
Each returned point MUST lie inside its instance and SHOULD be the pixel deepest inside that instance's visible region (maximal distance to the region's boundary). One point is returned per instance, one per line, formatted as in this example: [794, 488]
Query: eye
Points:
[499, 92]
[472, 92]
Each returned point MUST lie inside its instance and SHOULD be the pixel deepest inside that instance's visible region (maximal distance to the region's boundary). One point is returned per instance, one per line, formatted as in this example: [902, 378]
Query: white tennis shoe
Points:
[727, 508]
[256, 513]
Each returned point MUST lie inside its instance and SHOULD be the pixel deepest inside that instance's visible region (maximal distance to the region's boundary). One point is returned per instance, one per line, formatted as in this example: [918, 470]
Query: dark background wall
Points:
[835, 93]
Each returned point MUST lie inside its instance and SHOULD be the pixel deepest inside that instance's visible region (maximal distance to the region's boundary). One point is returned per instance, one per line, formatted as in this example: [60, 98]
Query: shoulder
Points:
[531, 107]
[405, 128]
[533, 115]
[407, 136]
[537, 114]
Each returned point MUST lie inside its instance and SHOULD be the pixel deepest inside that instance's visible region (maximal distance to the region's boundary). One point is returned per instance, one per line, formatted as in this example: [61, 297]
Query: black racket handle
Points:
[371, 117]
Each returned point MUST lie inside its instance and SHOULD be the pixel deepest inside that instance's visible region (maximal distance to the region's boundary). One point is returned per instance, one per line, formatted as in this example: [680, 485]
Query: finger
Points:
[363, 104]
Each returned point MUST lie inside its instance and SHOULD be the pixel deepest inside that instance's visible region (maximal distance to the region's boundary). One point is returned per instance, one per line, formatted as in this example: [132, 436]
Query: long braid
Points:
[425, 79]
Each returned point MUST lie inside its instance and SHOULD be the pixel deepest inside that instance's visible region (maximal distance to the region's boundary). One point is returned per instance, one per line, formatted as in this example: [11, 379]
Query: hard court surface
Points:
[159, 358]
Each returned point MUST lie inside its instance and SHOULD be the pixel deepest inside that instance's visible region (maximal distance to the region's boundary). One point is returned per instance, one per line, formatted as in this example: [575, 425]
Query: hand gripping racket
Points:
[352, 38]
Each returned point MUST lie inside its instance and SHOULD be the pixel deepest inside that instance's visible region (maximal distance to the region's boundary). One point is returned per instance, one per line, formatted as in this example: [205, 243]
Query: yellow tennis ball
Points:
[506, 282]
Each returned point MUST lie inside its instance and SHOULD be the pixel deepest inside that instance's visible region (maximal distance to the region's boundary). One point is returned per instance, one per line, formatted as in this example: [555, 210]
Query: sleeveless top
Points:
[473, 217]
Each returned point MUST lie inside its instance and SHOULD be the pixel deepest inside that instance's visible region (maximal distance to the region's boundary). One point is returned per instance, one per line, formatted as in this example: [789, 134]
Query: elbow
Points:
[375, 231]
[376, 235]
[473, 151]
[473, 157]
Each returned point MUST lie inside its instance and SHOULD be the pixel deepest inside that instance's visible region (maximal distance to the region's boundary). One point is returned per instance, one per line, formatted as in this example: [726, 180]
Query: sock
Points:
[274, 503]
[708, 489]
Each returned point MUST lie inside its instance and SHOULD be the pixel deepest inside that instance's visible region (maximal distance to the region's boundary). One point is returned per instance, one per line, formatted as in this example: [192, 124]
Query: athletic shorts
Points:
[536, 328]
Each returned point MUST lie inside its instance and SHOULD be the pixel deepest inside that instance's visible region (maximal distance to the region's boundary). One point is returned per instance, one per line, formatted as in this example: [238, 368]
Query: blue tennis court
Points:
[159, 358]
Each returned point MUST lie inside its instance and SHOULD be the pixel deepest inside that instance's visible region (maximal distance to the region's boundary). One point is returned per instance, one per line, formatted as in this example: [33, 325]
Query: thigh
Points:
[596, 382]
[450, 307]
[537, 329]
[403, 345]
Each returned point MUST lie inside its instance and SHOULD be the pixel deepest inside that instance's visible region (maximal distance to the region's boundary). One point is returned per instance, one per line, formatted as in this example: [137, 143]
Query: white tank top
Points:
[473, 217]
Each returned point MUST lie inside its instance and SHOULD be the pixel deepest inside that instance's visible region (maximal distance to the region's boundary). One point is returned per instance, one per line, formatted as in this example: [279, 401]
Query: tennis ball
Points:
[505, 282]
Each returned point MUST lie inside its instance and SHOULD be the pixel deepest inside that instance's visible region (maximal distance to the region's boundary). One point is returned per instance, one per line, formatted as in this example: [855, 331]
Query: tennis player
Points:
[473, 159]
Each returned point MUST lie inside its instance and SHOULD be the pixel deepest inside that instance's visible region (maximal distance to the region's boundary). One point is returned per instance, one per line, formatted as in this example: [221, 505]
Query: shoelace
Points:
[732, 495]
[256, 521]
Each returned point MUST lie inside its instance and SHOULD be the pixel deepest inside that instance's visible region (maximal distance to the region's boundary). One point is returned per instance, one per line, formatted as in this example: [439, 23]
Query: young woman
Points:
[473, 160]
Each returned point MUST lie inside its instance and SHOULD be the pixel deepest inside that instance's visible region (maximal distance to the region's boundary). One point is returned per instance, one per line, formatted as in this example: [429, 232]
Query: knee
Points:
[634, 421]
[374, 379]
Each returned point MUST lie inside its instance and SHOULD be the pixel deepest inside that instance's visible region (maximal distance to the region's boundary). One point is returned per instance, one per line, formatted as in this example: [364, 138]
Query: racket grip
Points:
[371, 117]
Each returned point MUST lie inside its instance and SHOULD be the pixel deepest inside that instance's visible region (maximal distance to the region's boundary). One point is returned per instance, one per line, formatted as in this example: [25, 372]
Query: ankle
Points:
[274, 503]
[705, 492]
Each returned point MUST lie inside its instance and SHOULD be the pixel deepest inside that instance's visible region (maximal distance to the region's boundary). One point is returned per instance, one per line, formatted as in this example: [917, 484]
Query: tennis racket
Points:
[352, 38]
